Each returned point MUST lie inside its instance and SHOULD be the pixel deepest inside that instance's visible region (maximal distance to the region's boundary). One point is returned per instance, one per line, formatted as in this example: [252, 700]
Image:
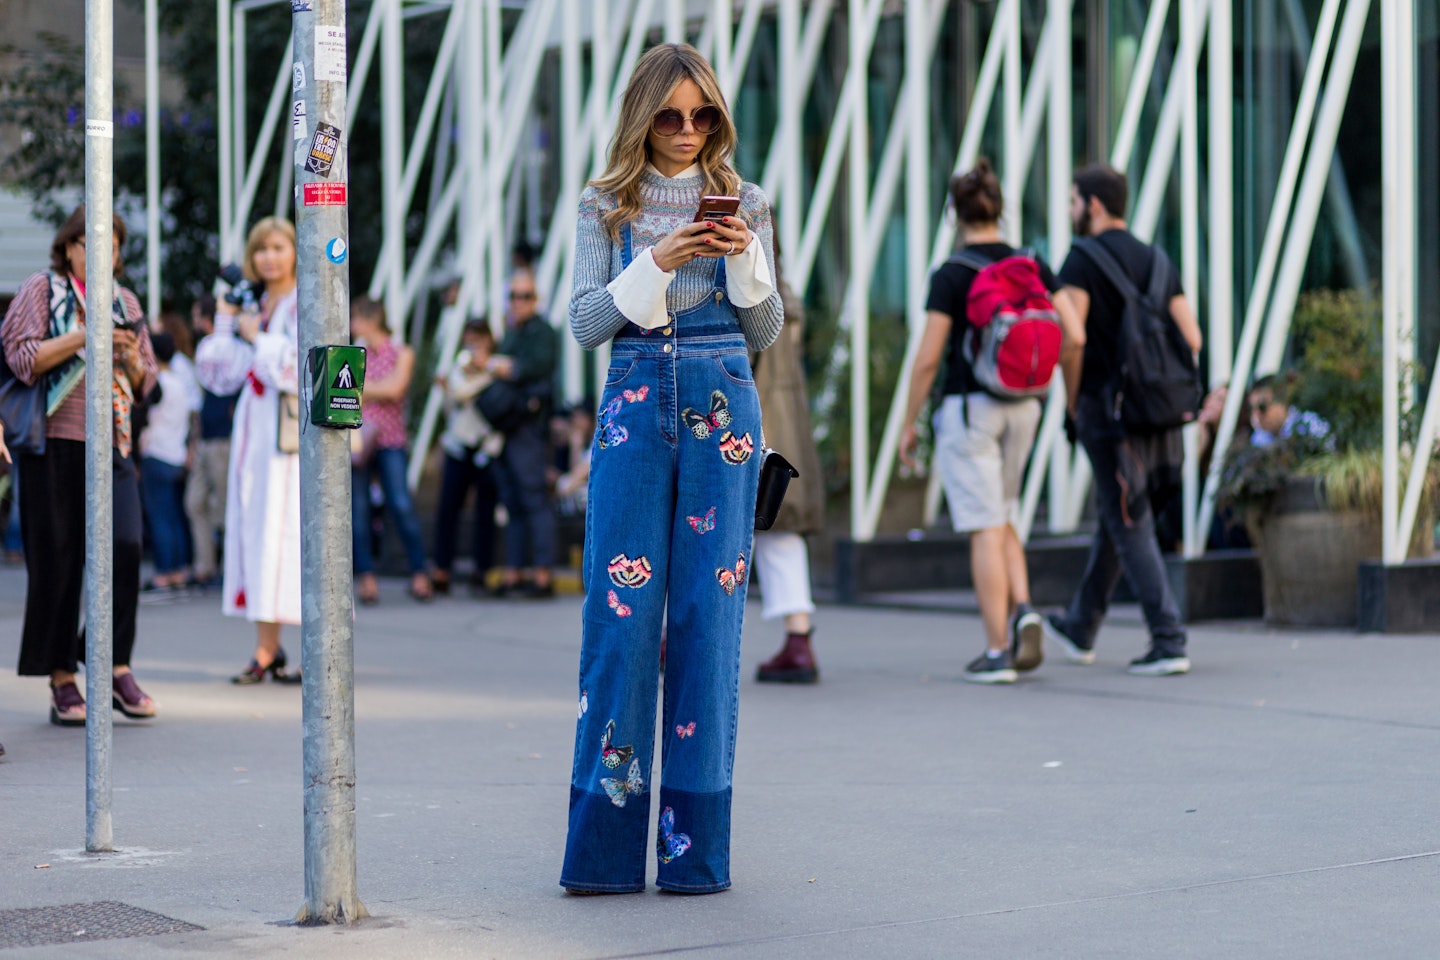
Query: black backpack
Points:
[1157, 383]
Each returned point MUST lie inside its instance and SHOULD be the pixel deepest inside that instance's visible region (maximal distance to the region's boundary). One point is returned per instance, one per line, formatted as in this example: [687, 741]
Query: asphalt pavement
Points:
[1277, 802]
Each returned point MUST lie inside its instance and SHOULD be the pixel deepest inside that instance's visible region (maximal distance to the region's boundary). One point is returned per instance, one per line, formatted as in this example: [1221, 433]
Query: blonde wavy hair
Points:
[258, 233]
[656, 76]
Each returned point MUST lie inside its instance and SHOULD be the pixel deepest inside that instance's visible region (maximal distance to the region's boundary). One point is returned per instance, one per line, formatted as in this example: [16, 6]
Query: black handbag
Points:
[775, 475]
[507, 405]
[22, 410]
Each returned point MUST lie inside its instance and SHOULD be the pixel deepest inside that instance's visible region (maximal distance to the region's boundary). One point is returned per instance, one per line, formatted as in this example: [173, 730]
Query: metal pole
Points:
[99, 419]
[859, 266]
[327, 642]
[1011, 176]
[1190, 38]
[223, 129]
[152, 159]
[392, 124]
[1397, 97]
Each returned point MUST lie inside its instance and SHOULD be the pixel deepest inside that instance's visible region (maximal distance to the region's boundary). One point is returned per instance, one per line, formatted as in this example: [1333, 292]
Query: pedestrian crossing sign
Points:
[337, 378]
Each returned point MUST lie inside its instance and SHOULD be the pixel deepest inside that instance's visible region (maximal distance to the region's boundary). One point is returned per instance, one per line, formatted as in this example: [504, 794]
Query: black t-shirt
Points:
[949, 290]
[1102, 323]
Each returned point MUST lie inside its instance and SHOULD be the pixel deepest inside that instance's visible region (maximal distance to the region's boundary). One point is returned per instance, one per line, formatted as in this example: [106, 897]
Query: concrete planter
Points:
[1310, 557]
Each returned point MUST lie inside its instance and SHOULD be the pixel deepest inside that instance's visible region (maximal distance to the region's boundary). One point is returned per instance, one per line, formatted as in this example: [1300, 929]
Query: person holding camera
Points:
[254, 350]
[44, 344]
[679, 297]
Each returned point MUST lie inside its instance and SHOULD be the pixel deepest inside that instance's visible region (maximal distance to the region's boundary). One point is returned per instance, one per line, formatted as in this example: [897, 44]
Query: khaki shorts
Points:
[981, 457]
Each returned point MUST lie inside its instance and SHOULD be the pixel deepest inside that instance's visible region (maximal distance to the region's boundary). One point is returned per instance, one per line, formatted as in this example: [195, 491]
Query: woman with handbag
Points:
[673, 478]
[254, 350]
[44, 345]
[388, 368]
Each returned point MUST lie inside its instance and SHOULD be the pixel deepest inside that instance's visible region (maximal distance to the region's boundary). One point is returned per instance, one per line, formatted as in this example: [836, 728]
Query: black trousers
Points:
[52, 518]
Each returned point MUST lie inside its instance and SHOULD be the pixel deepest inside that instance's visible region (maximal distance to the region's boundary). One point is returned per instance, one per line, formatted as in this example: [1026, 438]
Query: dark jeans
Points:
[390, 466]
[162, 490]
[53, 513]
[456, 481]
[521, 478]
[1125, 541]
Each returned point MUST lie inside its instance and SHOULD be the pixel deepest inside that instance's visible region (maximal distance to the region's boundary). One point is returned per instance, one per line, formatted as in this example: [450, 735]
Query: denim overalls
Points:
[674, 469]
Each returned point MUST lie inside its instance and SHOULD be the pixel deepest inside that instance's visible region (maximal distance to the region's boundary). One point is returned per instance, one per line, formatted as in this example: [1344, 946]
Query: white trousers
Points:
[783, 563]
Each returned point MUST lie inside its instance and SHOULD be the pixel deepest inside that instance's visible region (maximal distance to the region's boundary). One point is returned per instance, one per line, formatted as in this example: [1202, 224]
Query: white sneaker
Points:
[1156, 664]
[1073, 652]
[1027, 632]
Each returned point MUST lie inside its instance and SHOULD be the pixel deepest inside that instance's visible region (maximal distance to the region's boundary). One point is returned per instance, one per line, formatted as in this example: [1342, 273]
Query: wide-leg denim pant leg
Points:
[671, 514]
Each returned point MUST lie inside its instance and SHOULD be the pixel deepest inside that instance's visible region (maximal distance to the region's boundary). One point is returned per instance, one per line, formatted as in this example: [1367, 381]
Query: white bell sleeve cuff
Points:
[639, 291]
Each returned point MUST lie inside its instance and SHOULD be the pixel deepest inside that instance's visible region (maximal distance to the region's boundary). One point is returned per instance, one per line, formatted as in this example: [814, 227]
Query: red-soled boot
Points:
[793, 664]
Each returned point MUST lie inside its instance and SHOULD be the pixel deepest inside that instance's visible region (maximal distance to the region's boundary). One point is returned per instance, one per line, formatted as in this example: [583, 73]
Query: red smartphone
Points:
[717, 208]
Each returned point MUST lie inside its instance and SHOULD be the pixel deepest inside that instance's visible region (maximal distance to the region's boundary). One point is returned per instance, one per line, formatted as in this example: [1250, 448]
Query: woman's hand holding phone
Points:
[708, 238]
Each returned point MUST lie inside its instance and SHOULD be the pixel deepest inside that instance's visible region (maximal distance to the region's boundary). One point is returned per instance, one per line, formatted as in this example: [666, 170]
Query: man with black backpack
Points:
[1138, 386]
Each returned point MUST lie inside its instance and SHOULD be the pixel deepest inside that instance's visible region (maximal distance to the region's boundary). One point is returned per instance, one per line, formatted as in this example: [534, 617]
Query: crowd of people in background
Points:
[206, 466]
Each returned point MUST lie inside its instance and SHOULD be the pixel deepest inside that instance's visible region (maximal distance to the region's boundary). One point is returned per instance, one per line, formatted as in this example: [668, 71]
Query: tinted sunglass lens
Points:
[706, 120]
[668, 123]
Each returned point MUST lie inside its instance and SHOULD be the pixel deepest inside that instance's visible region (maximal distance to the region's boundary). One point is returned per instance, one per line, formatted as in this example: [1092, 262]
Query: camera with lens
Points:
[242, 292]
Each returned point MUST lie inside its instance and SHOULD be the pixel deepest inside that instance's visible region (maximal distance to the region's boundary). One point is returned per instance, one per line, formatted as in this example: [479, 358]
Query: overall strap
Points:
[627, 246]
[720, 273]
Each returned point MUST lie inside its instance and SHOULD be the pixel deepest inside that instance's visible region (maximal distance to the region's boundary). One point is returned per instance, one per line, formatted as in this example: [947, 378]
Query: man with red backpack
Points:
[1139, 385]
[1002, 322]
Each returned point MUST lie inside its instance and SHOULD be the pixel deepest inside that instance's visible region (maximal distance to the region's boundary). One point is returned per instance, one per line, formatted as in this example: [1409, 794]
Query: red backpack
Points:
[1013, 339]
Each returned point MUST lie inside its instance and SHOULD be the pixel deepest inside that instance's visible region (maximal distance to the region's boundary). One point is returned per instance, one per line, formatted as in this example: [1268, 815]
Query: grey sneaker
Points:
[985, 669]
[1159, 663]
[1026, 638]
[1073, 651]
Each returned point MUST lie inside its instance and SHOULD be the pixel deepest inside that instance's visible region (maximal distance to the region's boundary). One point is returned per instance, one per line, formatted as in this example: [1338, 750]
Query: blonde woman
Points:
[254, 350]
[674, 468]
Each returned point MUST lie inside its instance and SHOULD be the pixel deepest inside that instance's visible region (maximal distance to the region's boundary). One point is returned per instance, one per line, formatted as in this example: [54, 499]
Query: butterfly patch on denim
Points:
[621, 609]
[584, 703]
[668, 843]
[625, 572]
[635, 396]
[611, 755]
[703, 524]
[730, 579]
[735, 450]
[685, 730]
[704, 424]
[620, 790]
[608, 433]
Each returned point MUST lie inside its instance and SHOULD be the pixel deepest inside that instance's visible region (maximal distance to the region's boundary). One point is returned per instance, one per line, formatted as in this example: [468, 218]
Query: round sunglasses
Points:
[669, 122]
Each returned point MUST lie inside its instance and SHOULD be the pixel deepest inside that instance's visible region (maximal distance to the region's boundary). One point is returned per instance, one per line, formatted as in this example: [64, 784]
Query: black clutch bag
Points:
[775, 475]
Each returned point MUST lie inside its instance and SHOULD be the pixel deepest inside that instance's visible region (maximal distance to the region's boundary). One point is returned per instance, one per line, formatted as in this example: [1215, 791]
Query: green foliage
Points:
[45, 98]
[1338, 339]
[1337, 335]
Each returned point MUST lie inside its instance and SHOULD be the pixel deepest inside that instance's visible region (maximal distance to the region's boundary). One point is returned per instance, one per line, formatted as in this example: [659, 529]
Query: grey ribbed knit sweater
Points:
[670, 203]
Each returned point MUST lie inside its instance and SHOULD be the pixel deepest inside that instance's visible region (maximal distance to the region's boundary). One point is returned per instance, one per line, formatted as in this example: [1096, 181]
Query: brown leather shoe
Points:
[795, 663]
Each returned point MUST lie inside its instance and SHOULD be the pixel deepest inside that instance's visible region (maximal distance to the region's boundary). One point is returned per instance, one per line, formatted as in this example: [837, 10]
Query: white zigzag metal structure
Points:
[484, 82]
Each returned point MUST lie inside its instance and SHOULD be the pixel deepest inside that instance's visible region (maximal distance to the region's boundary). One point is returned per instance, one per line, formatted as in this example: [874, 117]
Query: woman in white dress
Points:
[255, 350]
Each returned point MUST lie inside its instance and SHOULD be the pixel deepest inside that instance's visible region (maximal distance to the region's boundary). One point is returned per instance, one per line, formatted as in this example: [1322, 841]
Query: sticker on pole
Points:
[330, 53]
[323, 194]
[297, 120]
[336, 251]
[104, 129]
[300, 6]
[297, 78]
[323, 147]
